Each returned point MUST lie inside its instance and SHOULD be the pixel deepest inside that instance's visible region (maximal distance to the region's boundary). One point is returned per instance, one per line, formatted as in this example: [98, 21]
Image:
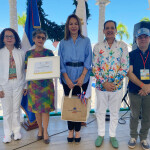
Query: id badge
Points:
[144, 74]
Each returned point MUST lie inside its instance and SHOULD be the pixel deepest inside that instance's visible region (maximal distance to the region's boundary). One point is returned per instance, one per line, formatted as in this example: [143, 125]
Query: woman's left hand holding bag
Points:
[80, 80]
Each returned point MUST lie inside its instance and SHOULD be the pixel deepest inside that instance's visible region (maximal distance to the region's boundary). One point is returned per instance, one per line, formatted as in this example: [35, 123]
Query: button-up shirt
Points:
[110, 64]
[80, 51]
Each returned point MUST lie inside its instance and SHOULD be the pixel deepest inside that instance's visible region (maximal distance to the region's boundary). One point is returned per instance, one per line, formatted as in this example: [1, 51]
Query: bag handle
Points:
[70, 93]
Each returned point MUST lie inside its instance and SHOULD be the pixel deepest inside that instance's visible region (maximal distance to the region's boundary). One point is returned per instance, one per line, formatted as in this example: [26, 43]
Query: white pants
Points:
[11, 107]
[111, 100]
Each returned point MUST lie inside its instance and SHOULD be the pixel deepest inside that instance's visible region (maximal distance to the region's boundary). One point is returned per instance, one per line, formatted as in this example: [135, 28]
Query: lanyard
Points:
[144, 62]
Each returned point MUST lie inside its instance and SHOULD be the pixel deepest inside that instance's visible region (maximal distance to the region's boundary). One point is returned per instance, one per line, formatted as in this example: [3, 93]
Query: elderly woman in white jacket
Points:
[11, 82]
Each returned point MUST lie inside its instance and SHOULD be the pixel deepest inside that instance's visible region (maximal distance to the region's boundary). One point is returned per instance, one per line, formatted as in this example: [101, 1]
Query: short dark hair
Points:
[110, 21]
[18, 41]
[67, 32]
[38, 31]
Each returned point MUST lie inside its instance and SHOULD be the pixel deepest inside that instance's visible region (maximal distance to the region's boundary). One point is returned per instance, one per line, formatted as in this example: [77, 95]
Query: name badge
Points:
[144, 74]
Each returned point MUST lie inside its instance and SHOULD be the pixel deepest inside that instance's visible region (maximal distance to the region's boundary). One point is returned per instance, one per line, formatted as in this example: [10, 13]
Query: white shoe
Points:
[132, 143]
[17, 136]
[145, 145]
[7, 139]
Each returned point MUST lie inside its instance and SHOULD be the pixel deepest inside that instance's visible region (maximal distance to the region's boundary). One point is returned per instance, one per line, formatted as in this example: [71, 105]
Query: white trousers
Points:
[111, 100]
[11, 107]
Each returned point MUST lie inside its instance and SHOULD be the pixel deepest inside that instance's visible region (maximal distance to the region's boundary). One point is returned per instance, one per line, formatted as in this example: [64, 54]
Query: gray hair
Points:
[38, 31]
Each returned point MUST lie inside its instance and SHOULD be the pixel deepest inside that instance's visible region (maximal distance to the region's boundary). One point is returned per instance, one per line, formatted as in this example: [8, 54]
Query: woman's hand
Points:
[80, 80]
[25, 91]
[69, 83]
[2, 94]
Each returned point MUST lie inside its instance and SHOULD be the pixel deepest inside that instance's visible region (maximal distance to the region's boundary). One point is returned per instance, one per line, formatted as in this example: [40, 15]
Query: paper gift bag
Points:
[73, 109]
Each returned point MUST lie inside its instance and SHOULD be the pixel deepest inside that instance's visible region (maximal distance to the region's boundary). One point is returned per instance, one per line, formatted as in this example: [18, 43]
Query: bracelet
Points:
[141, 85]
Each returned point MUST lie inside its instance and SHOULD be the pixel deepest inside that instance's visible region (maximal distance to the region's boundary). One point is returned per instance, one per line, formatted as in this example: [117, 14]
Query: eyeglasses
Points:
[41, 37]
[9, 36]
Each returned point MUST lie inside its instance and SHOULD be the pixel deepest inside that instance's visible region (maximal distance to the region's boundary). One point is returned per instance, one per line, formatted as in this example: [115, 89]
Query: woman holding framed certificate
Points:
[75, 65]
[11, 82]
[40, 92]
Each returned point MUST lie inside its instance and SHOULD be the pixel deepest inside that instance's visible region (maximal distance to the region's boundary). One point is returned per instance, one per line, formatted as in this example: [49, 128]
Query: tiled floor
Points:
[58, 137]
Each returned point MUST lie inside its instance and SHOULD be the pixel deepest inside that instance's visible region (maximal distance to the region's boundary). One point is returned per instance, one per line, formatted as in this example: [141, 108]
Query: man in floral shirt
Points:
[110, 66]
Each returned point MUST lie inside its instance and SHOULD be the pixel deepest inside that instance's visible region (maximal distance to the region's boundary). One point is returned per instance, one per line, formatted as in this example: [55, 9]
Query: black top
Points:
[137, 63]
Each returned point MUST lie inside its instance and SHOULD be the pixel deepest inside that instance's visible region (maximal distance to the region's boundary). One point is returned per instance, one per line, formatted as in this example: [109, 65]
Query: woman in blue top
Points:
[75, 64]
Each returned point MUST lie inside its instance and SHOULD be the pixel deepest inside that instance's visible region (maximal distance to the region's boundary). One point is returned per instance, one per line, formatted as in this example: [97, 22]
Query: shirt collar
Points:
[145, 51]
[106, 40]
[106, 43]
[8, 50]
[79, 36]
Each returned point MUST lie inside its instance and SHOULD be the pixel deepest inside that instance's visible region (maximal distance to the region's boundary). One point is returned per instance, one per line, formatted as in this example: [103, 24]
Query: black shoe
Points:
[70, 140]
[39, 138]
[77, 140]
[46, 141]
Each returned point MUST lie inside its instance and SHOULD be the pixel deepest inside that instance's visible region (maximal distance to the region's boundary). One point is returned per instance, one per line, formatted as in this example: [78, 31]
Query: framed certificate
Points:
[43, 68]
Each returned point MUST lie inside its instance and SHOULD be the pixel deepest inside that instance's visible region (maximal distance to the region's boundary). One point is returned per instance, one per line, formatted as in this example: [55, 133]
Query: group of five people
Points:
[110, 66]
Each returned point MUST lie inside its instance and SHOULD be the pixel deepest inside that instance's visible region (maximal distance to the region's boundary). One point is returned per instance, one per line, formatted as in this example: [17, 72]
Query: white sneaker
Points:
[17, 136]
[132, 143]
[7, 139]
[145, 145]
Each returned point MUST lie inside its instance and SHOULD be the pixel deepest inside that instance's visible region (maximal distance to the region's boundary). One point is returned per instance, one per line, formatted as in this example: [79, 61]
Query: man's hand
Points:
[142, 93]
[2, 94]
[109, 86]
[146, 88]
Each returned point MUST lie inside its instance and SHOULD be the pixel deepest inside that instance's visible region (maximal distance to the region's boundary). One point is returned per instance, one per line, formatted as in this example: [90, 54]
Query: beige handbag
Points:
[73, 109]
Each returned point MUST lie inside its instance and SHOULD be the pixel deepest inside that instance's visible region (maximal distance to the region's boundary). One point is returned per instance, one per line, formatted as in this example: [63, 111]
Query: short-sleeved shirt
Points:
[137, 63]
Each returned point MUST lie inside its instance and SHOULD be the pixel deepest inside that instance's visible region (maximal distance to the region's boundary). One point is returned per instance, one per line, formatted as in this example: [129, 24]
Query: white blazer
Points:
[19, 56]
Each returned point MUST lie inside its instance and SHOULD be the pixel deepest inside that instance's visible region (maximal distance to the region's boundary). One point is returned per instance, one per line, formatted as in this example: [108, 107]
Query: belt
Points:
[75, 64]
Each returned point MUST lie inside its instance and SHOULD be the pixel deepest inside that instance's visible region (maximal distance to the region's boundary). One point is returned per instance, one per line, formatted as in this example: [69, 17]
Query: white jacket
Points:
[19, 57]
